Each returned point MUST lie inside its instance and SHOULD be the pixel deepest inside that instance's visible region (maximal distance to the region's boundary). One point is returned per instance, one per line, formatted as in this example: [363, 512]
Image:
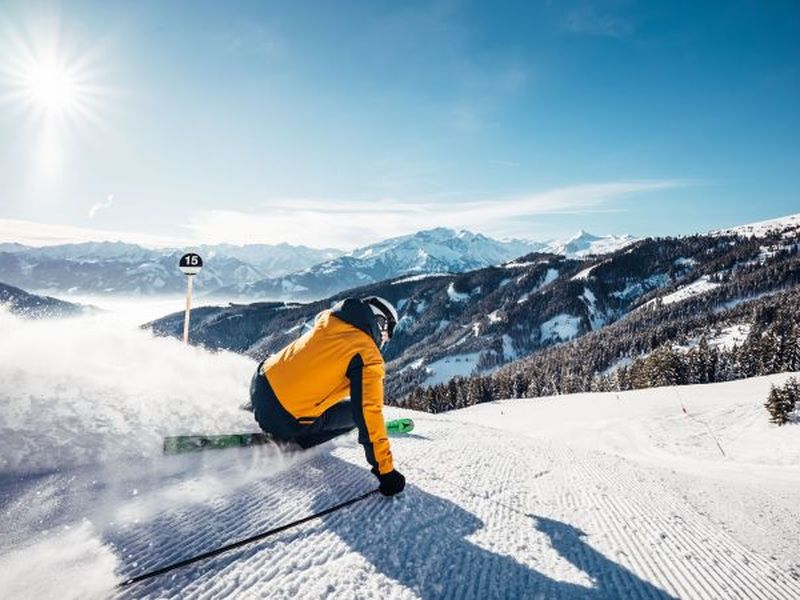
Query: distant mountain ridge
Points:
[456, 324]
[121, 268]
[266, 271]
[439, 250]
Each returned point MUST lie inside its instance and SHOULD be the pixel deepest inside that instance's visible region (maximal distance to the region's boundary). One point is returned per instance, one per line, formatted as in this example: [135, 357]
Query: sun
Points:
[51, 87]
[50, 76]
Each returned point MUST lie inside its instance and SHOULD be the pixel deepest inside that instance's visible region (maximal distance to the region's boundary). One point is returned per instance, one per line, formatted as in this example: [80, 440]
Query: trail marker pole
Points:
[190, 265]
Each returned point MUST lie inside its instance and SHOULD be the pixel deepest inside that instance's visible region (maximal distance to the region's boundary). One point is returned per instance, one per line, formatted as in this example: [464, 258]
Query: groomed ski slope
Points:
[586, 496]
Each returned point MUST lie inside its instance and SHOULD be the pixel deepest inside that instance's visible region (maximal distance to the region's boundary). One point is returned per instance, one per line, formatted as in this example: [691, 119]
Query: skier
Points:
[300, 394]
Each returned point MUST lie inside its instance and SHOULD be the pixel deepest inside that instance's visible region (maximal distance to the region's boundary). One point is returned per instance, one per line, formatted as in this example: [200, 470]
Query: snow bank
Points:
[89, 390]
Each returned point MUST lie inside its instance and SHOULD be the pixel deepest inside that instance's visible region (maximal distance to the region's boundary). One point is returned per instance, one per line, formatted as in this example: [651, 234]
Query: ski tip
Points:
[400, 426]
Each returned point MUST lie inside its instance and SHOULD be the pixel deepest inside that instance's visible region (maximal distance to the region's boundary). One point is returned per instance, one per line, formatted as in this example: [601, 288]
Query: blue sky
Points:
[343, 123]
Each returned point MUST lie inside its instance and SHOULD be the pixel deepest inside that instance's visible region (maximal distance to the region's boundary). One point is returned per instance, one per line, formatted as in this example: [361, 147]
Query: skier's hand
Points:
[391, 483]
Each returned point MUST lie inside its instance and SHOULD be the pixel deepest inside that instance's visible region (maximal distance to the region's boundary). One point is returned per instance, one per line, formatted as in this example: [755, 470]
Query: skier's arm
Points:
[366, 394]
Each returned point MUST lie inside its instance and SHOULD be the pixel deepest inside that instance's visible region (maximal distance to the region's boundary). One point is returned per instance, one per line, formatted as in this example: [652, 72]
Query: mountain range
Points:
[120, 268]
[474, 322]
[271, 272]
[433, 251]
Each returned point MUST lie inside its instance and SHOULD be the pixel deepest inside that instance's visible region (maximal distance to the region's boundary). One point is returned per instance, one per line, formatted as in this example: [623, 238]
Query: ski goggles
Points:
[385, 325]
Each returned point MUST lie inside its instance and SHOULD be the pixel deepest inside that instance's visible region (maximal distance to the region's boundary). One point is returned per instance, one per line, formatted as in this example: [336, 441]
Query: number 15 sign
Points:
[190, 265]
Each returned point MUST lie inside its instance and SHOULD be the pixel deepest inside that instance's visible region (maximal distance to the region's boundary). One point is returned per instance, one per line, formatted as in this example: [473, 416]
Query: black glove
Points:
[391, 483]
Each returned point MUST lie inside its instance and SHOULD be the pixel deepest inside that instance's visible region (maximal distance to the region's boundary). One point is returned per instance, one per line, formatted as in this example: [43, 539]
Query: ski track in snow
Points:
[487, 514]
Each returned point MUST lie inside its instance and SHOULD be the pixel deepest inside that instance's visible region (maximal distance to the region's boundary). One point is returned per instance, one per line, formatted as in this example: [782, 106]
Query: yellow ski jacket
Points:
[340, 356]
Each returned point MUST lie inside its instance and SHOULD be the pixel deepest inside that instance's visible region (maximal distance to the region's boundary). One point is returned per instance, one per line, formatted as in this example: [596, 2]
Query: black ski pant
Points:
[275, 420]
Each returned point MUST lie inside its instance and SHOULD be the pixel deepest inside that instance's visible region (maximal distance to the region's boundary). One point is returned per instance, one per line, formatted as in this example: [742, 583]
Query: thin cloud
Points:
[349, 224]
[32, 233]
[97, 207]
[323, 223]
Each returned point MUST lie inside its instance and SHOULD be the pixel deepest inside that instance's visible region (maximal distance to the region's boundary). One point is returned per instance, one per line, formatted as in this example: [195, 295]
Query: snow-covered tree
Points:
[782, 401]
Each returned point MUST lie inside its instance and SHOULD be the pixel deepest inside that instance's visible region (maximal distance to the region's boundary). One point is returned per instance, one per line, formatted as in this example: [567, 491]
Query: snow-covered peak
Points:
[583, 235]
[761, 228]
[94, 251]
[442, 249]
[584, 243]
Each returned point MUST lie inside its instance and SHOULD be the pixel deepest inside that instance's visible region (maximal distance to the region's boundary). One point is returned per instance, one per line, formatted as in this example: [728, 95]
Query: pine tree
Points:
[792, 390]
[699, 361]
[793, 350]
[782, 401]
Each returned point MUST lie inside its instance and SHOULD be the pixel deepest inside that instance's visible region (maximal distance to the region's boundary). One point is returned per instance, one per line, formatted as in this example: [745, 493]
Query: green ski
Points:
[179, 444]
[399, 426]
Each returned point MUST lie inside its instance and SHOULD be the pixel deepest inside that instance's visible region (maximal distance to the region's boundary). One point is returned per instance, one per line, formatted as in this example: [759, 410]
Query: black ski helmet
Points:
[381, 307]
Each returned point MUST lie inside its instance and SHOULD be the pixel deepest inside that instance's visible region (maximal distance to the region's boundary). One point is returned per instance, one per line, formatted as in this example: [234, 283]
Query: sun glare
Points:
[49, 80]
[52, 87]
[52, 82]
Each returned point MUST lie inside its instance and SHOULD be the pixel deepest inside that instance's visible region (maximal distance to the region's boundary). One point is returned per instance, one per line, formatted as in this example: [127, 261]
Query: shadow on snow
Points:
[419, 540]
[416, 539]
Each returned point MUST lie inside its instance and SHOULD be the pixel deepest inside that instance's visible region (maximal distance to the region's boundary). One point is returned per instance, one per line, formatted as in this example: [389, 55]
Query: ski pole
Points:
[244, 542]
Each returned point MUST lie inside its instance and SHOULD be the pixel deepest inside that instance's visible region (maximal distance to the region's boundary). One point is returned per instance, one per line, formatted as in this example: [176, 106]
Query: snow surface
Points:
[596, 318]
[696, 288]
[585, 496]
[684, 262]
[762, 228]
[735, 335]
[444, 369]
[419, 277]
[550, 277]
[625, 361]
[509, 352]
[519, 265]
[637, 288]
[563, 327]
[724, 339]
[456, 296]
[584, 275]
